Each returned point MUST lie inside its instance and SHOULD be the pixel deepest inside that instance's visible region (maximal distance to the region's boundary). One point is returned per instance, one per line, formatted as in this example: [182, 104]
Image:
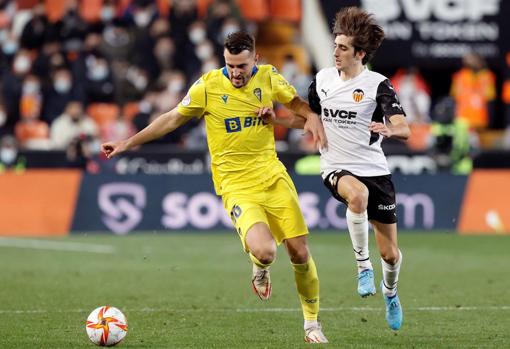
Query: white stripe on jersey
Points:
[347, 109]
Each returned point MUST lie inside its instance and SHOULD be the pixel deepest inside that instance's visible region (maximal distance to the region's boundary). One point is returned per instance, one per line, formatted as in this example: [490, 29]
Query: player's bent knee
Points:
[358, 202]
[299, 256]
[266, 255]
[390, 256]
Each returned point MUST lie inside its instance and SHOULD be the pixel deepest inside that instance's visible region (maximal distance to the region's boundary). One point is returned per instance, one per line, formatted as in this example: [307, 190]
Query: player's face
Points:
[345, 57]
[240, 67]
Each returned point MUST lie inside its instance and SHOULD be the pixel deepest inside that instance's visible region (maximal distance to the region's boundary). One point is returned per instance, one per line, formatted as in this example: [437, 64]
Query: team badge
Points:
[357, 95]
[225, 98]
[258, 93]
[186, 100]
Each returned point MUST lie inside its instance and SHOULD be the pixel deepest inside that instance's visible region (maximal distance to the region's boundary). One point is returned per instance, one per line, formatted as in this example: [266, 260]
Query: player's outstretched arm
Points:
[163, 124]
[312, 124]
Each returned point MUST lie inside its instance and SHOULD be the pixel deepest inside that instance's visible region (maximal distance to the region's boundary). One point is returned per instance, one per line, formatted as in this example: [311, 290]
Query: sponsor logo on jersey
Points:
[344, 114]
[225, 98]
[325, 92]
[186, 100]
[237, 124]
[357, 95]
[258, 93]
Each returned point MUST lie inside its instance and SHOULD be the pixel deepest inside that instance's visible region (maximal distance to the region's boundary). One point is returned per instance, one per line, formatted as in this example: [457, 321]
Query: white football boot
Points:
[313, 334]
[261, 282]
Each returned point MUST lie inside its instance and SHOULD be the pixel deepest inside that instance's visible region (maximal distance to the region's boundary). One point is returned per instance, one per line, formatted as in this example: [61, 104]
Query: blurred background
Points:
[75, 73]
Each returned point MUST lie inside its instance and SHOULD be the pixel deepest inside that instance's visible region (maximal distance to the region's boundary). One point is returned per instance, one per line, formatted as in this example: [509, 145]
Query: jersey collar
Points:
[253, 71]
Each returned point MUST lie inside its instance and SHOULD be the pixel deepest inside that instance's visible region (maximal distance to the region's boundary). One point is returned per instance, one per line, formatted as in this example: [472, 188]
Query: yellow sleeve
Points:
[283, 92]
[194, 103]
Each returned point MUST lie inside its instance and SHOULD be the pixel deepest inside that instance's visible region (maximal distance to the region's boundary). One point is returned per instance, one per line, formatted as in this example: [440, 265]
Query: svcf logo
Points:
[357, 95]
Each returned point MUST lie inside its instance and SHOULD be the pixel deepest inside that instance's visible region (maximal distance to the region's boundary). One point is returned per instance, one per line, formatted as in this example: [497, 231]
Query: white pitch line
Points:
[258, 310]
[55, 245]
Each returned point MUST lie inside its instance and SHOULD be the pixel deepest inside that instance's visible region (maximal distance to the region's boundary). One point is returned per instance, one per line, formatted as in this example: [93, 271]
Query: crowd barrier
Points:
[57, 202]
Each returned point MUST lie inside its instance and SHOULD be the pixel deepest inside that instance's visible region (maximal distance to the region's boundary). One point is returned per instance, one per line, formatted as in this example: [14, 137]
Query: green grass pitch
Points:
[193, 291]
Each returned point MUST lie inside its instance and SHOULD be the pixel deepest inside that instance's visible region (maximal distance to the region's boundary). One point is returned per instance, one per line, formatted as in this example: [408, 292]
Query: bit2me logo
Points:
[237, 124]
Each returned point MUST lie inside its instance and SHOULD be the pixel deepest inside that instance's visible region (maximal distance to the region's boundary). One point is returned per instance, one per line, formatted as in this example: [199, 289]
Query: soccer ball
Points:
[106, 326]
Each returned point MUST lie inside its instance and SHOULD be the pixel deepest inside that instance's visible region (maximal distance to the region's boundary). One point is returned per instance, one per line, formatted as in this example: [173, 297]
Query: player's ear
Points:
[360, 55]
[256, 59]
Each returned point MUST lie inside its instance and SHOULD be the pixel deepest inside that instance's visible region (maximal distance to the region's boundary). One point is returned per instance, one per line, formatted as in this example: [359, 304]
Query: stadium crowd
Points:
[75, 73]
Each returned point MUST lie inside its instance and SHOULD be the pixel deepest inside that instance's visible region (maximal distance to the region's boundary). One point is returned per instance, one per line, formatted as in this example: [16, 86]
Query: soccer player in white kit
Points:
[359, 108]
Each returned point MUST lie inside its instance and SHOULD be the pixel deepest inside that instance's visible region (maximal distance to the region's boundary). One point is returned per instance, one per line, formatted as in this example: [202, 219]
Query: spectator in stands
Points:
[99, 80]
[474, 90]
[164, 51]
[120, 128]
[12, 82]
[70, 125]
[414, 94]
[59, 93]
[36, 29]
[9, 156]
[453, 142]
[293, 73]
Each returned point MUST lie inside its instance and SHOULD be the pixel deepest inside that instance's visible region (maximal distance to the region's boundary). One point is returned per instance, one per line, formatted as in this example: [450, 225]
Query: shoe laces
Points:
[260, 275]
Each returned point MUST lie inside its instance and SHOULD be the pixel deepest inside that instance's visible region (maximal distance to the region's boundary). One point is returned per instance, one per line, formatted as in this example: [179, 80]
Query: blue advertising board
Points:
[121, 204]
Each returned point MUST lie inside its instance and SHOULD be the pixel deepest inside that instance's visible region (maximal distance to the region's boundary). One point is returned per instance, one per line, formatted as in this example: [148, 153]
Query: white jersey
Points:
[347, 108]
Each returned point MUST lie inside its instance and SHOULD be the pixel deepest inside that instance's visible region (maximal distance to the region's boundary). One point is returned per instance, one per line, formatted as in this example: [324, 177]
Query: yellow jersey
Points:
[242, 147]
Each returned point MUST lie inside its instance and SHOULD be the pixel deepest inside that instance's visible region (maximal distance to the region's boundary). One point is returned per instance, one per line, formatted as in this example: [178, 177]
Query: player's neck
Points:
[352, 72]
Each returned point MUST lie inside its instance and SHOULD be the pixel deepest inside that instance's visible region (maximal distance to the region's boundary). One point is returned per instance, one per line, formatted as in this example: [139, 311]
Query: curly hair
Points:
[366, 34]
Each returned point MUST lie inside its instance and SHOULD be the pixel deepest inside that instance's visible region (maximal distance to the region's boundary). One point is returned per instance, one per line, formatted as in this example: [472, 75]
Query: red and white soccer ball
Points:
[106, 326]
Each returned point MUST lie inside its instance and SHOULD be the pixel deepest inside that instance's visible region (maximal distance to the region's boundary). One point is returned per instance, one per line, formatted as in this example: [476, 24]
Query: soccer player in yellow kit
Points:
[254, 185]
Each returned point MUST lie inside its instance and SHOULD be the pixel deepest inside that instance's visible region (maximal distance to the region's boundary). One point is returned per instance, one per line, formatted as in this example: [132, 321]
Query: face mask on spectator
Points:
[8, 155]
[204, 52]
[197, 35]
[107, 13]
[31, 87]
[62, 85]
[142, 18]
[21, 64]
[140, 82]
[176, 86]
[208, 66]
[99, 72]
[229, 29]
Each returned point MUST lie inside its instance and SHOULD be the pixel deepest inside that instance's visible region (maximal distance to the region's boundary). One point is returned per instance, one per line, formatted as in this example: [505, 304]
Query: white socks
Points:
[390, 276]
[310, 324]
[358, 230]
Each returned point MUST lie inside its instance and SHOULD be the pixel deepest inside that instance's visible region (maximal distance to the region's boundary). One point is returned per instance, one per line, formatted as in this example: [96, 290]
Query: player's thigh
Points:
[386, 238]
[284, 215]
[353, 191]
[246, 212]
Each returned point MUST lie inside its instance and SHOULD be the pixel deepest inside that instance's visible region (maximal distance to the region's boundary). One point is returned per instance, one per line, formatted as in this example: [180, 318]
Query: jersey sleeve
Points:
[313, 97]
[387, 99]
[194, 103]
[282, 91]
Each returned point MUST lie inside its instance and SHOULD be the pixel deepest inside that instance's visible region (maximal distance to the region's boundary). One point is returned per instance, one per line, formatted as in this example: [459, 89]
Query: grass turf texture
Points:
[193, 291]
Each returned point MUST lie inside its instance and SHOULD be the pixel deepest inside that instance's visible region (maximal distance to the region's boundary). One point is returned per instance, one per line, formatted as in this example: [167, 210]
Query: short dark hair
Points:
[366, 34]
[237, 42]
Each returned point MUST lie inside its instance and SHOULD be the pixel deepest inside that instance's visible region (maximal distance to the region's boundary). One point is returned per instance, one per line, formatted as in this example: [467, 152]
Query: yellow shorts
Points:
[277, 206]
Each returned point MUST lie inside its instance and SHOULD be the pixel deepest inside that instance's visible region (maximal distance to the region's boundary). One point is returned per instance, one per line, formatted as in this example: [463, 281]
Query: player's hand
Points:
[313, 125]
[381, 128]
[267, 114]
[110, 149]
